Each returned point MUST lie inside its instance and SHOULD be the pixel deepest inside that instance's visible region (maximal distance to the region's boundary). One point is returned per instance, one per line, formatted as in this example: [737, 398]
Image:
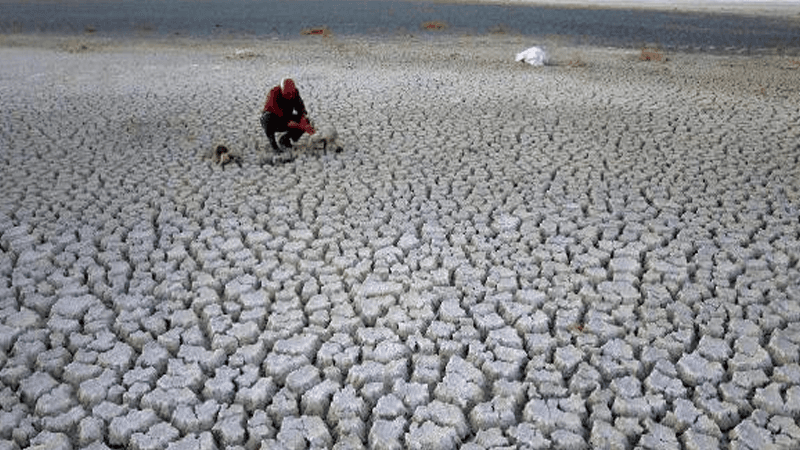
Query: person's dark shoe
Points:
[286, 141]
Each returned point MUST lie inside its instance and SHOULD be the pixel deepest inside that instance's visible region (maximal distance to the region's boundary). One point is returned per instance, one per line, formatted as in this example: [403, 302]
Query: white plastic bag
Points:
[534, 56]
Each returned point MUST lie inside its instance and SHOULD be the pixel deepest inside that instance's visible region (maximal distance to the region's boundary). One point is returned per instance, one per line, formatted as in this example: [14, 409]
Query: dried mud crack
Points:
[601, 256]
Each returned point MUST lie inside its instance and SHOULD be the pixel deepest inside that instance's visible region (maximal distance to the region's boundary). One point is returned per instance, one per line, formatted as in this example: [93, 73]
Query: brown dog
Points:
[223, 156]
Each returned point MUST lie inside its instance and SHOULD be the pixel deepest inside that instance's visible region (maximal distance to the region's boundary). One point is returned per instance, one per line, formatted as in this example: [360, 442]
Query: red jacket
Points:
[280, 106]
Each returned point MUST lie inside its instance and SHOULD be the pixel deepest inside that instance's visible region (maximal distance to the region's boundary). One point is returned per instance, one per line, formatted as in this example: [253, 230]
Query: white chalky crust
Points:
[598, 255]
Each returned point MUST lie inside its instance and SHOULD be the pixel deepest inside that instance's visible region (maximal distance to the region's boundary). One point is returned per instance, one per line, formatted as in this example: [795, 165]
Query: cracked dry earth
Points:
[503, 256]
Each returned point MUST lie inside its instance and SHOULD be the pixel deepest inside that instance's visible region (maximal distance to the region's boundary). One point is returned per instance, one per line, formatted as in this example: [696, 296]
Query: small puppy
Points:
[325, 137]
[223, 156]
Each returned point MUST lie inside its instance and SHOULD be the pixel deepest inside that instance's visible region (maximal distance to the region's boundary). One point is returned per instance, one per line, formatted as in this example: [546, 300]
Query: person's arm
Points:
[303, 124]
[301, 107]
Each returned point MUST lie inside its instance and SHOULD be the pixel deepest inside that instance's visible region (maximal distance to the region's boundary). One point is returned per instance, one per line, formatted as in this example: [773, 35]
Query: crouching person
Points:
[284, 111]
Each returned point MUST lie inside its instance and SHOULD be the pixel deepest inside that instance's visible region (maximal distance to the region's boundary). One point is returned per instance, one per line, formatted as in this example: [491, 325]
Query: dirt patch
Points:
[79, 46]
[434, 25]
[243, 53]
[318, 31]
[652, 55]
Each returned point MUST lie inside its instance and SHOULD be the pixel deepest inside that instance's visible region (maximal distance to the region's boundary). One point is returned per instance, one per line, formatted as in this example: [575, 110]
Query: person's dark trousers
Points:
[272, 124]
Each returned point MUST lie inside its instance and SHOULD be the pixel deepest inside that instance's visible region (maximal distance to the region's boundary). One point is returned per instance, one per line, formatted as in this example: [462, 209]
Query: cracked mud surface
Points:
[501, 257]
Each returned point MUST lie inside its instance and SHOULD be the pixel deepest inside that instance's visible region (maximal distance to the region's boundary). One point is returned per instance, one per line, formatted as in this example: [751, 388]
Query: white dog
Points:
[326, 137]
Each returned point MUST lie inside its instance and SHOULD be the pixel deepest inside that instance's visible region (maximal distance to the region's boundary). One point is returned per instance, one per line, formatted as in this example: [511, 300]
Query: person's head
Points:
[288, 88]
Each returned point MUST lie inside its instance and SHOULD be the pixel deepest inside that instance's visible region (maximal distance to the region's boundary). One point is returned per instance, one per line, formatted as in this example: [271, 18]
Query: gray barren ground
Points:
[602, 252]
